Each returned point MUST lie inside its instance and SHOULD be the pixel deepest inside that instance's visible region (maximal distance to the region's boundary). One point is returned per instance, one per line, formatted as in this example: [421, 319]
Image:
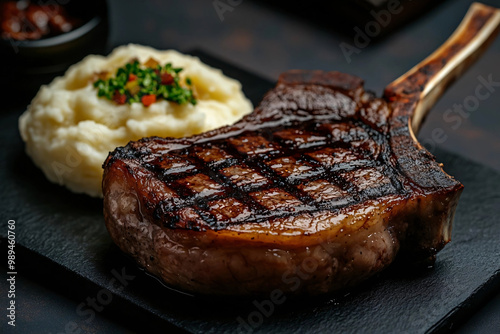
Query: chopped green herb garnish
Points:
[145, 84]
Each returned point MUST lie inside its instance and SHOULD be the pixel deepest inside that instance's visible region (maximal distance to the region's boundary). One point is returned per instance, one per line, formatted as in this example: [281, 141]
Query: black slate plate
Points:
[64, 234]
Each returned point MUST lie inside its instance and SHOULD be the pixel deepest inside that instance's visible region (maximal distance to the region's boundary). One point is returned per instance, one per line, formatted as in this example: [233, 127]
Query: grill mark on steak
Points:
[319, 133]
[232, 210]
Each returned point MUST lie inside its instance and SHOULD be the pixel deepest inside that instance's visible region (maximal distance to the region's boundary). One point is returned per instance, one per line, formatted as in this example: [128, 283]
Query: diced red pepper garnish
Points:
[132, 77]
[166, 79]
[119, 98]
[148, 100]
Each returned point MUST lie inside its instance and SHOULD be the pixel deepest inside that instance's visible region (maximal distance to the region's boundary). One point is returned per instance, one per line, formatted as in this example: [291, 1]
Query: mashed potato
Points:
[69, 130]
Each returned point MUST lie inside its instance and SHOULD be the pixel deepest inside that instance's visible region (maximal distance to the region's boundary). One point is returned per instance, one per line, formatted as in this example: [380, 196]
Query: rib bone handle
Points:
[427, 81]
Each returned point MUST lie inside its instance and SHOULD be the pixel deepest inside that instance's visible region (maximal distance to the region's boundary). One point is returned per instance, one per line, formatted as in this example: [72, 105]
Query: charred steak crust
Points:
[321, 175]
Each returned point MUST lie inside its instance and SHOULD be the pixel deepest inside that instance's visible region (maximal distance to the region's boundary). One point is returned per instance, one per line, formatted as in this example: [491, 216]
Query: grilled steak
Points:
[316, 190]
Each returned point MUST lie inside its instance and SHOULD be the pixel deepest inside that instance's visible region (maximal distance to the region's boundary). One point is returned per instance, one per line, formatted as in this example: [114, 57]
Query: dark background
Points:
[267, 40]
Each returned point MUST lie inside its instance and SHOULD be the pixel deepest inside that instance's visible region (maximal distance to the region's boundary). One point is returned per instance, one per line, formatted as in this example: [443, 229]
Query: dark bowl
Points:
[28, 64]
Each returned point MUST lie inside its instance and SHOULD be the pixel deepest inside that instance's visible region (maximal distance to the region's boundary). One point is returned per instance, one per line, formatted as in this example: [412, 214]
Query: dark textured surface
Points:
[68, 229]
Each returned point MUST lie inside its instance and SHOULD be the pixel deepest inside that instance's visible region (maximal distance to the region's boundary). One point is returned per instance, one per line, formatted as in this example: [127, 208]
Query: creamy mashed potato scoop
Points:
[69, 130]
